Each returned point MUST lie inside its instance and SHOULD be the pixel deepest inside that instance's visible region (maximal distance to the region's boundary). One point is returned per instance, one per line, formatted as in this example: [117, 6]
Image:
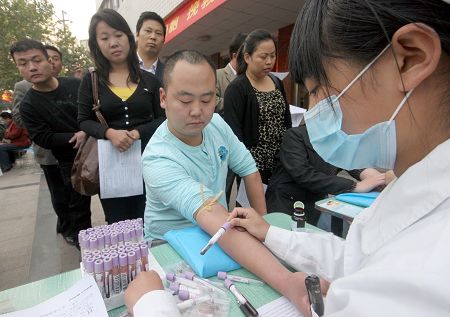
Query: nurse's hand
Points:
[299, 295]
[145, 282]
[251, 221]
[369, 183]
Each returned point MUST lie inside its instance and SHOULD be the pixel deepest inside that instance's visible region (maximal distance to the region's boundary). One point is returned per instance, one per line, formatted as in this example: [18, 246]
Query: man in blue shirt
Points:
[187, 159]
[190, 151]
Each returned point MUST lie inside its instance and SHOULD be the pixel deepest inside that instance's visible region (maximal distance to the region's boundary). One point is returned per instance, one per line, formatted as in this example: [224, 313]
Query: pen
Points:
[235, 278]
[215, 237]
[243, 303]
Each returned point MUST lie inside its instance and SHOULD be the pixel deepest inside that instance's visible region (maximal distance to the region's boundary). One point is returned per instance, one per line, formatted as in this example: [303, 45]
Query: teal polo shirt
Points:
[174, 172]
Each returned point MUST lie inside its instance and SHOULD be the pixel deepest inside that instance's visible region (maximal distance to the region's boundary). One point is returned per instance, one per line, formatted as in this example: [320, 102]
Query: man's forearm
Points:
[255, 192]
[246, 249]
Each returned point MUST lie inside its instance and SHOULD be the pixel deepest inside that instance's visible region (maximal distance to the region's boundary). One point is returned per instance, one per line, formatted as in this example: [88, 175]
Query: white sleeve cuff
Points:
[277, 239]
[158, 303]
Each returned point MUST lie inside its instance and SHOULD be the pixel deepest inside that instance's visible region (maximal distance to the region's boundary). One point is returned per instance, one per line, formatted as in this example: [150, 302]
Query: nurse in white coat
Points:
[378, 73]
[389, 85]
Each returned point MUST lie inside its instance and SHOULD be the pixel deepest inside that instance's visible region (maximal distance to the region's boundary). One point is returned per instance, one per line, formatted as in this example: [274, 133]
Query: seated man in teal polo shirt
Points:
[187, 159]
[185, 167]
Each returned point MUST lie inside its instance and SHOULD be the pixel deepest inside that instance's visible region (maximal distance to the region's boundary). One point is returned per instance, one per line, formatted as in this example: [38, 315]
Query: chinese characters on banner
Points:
[188, 14]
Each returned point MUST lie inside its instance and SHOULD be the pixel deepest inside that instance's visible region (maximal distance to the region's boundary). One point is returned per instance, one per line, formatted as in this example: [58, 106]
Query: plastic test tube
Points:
[93, 244]
[88, 264]
[177, 288]
[107, 263]
[244, 304]
[115, 272]
[240, 279]
[172, 278]
[100, 241]
[123, 270]
[144, 257]
[185, 295]
[131, 266]
[138, 260]
[205, 283]
[99, 276]
[107, 239]
[215, 237]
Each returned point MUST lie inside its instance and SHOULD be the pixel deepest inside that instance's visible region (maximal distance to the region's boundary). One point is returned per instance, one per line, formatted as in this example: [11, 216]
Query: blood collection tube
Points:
[84, 245]
[115, 272]
[185, 295]
[144, 257]
[114, 239]
[139, 234]
[109, 288]
[140, 221]
[99, 276]
[172, 278]
[93, 244]
[123, 270]
[138, 260]
[100, 241]
[131, 266]
[120, 237]
[126, 236]
[177, 288]
[107, 239]
[182, 306]
[88, 264]
[132, 234]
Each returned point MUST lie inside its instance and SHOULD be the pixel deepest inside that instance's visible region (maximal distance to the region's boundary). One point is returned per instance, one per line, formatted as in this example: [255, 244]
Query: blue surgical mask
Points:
[376, 147]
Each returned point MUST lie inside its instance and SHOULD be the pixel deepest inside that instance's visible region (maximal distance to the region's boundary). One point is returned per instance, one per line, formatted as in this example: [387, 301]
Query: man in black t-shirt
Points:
[49, 111]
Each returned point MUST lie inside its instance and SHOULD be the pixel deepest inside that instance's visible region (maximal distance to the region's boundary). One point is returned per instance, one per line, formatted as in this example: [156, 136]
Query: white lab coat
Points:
[394, 262]
[396, 258]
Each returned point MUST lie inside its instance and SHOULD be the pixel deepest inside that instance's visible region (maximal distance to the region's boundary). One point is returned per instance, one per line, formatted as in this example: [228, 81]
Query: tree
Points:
[74, 56]
[21, 19]
[34, 19]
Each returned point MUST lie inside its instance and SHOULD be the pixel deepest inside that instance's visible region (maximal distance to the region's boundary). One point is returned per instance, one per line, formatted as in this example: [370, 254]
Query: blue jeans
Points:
[7, 154]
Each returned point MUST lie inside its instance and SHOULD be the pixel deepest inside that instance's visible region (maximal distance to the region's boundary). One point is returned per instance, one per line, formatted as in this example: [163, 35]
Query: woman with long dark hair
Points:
[129, 99]
[255, 104]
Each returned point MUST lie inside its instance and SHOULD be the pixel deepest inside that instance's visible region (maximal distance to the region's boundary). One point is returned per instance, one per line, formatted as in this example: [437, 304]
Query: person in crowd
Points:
[185, 166]
[302, 175]
[188, 157]
[44, 157]
[227, 74]
[14, 140]
[224, 77]
[255, 103]
[49, 112]
[150, 35]
[129, 100]
[389, 66]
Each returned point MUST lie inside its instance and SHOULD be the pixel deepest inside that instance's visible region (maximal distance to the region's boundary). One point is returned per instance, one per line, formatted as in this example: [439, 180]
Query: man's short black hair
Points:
[53, 48]
[6, 115]
[236, 43]
[26, 45]
[191, 56]
[150, 15]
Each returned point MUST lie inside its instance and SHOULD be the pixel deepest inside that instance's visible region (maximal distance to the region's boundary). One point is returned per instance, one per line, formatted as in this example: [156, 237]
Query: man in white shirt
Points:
[150, 36]
[228, 73]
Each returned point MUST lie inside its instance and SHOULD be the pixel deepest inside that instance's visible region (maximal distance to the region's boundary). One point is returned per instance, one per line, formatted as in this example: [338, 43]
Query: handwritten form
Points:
[81, 300]
[120, 172]
[279, 307]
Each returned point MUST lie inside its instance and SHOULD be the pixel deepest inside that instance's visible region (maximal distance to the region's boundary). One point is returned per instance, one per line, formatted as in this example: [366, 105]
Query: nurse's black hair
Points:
[356, 31]
[250, 44]
[102, 65]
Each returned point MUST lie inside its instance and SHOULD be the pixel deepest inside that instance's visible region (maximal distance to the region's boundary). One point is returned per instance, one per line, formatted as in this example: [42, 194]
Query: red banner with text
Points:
[188, 14]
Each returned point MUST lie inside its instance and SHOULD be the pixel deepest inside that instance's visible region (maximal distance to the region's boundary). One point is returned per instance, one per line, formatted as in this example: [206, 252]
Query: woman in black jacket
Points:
[301, 174]
[255, 104]
[128, 97]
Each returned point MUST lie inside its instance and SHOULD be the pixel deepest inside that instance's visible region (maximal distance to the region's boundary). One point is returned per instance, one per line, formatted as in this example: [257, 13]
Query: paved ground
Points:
[30, 249]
